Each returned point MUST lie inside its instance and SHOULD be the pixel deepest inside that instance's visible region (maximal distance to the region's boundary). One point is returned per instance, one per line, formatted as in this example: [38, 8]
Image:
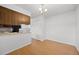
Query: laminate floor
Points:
[46, 47]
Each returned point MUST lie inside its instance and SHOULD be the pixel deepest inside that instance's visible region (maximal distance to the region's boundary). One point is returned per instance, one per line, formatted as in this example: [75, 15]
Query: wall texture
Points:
[59, 28]
[37, 27]
[62, 27]
[77, 27]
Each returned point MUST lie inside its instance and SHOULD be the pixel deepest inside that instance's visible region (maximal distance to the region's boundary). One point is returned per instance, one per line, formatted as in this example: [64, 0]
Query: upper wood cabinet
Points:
[11, 17]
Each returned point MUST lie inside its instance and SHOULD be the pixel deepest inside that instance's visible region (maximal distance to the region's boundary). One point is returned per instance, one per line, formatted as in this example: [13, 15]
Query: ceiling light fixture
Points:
[43, 10]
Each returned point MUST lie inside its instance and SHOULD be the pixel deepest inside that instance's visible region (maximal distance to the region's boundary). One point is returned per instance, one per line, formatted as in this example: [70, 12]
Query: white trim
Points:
[16, 8]
[17, 48]
[77, 49]
[73, 44]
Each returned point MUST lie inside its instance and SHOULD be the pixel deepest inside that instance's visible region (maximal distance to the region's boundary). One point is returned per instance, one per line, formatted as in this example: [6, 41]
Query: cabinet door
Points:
[11, 17]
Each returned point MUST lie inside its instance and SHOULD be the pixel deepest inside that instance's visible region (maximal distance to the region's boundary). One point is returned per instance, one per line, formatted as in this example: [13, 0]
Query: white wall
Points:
[37, 25]
[77, 27]
[62, 28]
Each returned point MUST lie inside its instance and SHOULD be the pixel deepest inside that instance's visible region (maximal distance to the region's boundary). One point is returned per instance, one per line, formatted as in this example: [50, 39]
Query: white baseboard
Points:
[56, 41]
[77, 48]
[62, 42]
[17, 48]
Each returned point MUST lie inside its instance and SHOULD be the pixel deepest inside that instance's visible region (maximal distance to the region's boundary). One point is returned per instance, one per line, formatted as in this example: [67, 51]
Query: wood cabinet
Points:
[10, 17]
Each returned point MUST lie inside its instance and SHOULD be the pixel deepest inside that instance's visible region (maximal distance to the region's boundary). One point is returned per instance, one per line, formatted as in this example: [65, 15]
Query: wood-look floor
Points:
[46, 47]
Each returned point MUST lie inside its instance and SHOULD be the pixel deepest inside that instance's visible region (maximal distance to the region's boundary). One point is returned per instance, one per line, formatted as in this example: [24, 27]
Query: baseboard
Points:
[77, 48]
[17, 48]
[56, 41]
[63, 42]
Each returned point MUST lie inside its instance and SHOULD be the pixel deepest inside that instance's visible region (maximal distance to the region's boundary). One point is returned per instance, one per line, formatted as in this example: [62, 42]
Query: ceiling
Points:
[53, 9]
